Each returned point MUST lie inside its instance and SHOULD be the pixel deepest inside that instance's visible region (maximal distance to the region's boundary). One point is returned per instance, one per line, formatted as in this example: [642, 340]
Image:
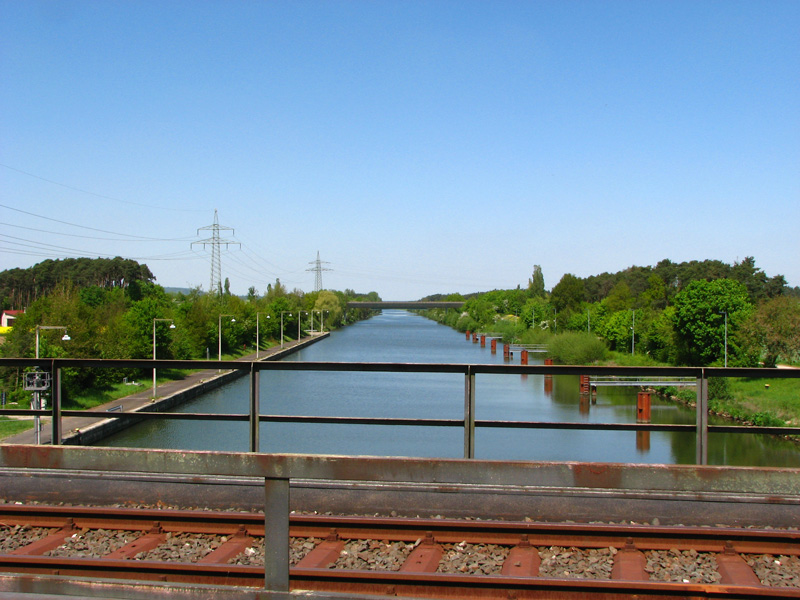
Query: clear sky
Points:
[420, 147]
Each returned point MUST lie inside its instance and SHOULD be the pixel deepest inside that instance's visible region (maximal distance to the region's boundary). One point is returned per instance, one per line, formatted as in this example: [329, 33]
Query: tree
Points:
[328, 302]
[773, 329]
[536, 283]
[619, 298]
[655, 296]
[568, 293]
[700, 311]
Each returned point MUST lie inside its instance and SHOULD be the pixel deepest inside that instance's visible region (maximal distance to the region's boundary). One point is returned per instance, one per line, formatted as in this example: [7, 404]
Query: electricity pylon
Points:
[215, 241]
[318, 269]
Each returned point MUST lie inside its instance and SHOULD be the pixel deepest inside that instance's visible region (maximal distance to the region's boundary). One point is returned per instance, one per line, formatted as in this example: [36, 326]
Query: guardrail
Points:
[701, 428]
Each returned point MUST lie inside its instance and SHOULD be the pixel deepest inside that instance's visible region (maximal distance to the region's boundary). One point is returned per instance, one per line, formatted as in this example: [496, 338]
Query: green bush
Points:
[576, 348]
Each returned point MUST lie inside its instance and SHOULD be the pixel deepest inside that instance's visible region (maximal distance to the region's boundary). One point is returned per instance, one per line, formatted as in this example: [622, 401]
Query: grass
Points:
[778, 398]
[10, 426]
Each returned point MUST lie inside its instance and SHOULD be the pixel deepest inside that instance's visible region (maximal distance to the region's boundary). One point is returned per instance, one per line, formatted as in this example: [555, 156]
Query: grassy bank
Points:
[753, 399]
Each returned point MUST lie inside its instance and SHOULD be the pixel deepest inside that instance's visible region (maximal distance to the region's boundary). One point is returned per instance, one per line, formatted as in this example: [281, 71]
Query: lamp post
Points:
[633, 330]
[219, 334]
[322, 320]
[290, 314]
[36, 399]
[299, 312]
[257, 340]
[725, 312]
[171, 326]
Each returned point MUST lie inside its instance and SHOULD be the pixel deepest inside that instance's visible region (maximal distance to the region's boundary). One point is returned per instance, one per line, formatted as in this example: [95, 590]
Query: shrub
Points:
[576, 348]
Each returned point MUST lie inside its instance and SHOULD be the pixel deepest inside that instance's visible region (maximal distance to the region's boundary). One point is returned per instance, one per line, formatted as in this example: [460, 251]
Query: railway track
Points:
[434, 558]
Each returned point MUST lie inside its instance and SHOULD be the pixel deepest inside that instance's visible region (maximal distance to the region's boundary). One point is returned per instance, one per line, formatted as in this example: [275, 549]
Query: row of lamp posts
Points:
[65, 337]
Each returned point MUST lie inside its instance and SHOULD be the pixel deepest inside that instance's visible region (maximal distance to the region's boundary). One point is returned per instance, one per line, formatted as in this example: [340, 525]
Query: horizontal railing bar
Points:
[157, 415]
[489, 424]
[362, 420]
[585, 426]
[753, 429]
[696, 372]
[641, 383]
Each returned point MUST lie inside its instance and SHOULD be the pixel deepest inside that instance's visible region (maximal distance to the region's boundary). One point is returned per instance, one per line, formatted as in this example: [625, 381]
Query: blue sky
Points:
[420, 147]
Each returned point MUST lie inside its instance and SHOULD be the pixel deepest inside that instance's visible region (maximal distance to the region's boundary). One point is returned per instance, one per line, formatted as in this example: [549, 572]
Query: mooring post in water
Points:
[584, 385]
[523, 358]
[548, 379]
[643, 407]
[483, 341]
[494, 346]
[468, 332]
[506, 351]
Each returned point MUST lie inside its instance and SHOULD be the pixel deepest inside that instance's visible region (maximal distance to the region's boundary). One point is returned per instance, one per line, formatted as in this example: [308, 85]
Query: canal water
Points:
[401, 336]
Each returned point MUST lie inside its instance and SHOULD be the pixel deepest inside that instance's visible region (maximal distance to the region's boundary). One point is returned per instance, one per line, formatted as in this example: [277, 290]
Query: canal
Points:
[400, 336]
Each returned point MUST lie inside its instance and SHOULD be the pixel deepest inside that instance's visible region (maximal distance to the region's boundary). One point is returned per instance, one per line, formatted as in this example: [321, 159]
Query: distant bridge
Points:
[409, 305]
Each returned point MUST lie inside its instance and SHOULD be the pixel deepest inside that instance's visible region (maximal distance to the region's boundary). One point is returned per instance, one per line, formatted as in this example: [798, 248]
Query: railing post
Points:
[255, 408]
[469, 413]
[56, 405]
[702, 419]
[276, 534]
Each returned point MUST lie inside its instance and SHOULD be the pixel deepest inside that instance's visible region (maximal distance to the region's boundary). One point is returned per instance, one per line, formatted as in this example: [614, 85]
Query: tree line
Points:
[19, 288]
[697, 313]
[113, 320]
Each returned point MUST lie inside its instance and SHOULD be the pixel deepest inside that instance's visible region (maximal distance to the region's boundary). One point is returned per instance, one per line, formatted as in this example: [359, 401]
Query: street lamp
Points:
[36, 398]
[171, 326]
[299, 312]
[725, 312]
[290, 314]
[219, 334]
[633, 330]
[65, 337]
[257, 342]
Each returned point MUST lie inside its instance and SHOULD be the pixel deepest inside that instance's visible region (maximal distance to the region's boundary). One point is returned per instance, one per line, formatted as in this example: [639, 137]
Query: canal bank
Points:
[85, 431]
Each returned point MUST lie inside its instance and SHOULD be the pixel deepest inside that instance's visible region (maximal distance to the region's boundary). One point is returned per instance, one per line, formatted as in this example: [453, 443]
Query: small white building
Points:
[9, 316]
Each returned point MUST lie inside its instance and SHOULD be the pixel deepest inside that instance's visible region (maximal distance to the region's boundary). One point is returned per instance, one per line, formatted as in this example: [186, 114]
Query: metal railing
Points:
[253, 369]
[649, 382]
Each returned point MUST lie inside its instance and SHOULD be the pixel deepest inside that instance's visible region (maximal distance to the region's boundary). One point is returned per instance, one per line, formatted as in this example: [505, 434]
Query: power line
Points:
[126, 235]
[94, 237]
[75, 189]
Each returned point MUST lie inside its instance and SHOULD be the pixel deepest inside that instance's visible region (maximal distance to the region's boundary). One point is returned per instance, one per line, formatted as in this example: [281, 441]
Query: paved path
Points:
[143, 396]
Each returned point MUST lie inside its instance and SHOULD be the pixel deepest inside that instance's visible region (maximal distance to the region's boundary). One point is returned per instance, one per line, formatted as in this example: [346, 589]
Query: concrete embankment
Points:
[85, 431]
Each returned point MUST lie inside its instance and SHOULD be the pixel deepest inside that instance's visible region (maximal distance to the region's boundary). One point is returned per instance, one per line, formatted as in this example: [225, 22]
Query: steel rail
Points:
[315, 574]
[747, 540]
